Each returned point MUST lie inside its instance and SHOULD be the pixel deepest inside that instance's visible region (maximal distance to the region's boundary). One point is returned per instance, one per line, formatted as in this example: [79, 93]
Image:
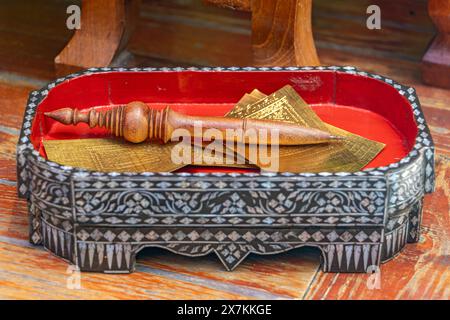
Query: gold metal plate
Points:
[351, 154]
[112, 155]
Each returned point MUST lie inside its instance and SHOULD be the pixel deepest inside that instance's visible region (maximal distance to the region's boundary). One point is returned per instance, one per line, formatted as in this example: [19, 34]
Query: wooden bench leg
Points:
[105, 29]
[436, 62]
[282, 33]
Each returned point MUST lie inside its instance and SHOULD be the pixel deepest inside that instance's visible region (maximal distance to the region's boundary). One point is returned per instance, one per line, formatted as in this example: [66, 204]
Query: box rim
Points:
[423, 138]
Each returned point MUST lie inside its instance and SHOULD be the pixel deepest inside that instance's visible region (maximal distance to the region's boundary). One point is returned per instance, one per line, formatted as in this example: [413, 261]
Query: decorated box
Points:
[99, 221]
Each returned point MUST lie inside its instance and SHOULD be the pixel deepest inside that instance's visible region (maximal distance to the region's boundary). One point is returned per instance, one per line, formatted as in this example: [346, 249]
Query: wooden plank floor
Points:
[26, 272]
[421, 271]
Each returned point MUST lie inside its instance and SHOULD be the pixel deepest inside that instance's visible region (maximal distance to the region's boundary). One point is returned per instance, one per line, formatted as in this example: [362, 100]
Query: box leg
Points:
[415, 219]
[351, 257]
[107, 258]
[35, 231]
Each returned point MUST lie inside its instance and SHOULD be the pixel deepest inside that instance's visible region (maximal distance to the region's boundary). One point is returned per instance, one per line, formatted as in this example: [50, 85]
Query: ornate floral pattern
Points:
[276, 201]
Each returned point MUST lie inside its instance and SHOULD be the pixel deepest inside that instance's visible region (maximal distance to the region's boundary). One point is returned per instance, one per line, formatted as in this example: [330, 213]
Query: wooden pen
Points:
[137, 122]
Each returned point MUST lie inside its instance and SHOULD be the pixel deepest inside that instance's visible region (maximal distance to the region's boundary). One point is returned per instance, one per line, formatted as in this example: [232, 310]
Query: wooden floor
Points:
[421, 271]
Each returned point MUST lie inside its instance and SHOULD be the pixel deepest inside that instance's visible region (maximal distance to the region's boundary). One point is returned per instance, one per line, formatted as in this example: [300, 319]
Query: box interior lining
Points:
[361, 105]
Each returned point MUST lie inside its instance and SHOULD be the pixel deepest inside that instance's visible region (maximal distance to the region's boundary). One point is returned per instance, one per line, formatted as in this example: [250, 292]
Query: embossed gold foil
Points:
[111, 155]
[352, 154]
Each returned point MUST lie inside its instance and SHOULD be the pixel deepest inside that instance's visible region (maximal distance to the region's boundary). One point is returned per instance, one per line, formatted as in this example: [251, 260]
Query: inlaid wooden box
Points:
[100, 221]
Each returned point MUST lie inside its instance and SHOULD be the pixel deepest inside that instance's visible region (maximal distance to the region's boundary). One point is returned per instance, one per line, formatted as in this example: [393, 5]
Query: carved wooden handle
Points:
[137, 122]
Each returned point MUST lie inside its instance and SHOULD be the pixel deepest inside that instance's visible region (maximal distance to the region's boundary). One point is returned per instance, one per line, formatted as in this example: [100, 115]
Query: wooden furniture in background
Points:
[436, 62]
[33, 33]
[243, 5]
[281, 31]
[105, 28]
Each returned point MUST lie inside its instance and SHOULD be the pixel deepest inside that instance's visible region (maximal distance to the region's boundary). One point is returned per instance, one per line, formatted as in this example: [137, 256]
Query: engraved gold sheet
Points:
[112, 155]
[352, 154]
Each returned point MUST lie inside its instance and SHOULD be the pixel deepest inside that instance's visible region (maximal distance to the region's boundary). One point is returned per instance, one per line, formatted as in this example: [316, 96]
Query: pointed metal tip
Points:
[63, 115]
[338, 138]
[50, 114]
[53, 114]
